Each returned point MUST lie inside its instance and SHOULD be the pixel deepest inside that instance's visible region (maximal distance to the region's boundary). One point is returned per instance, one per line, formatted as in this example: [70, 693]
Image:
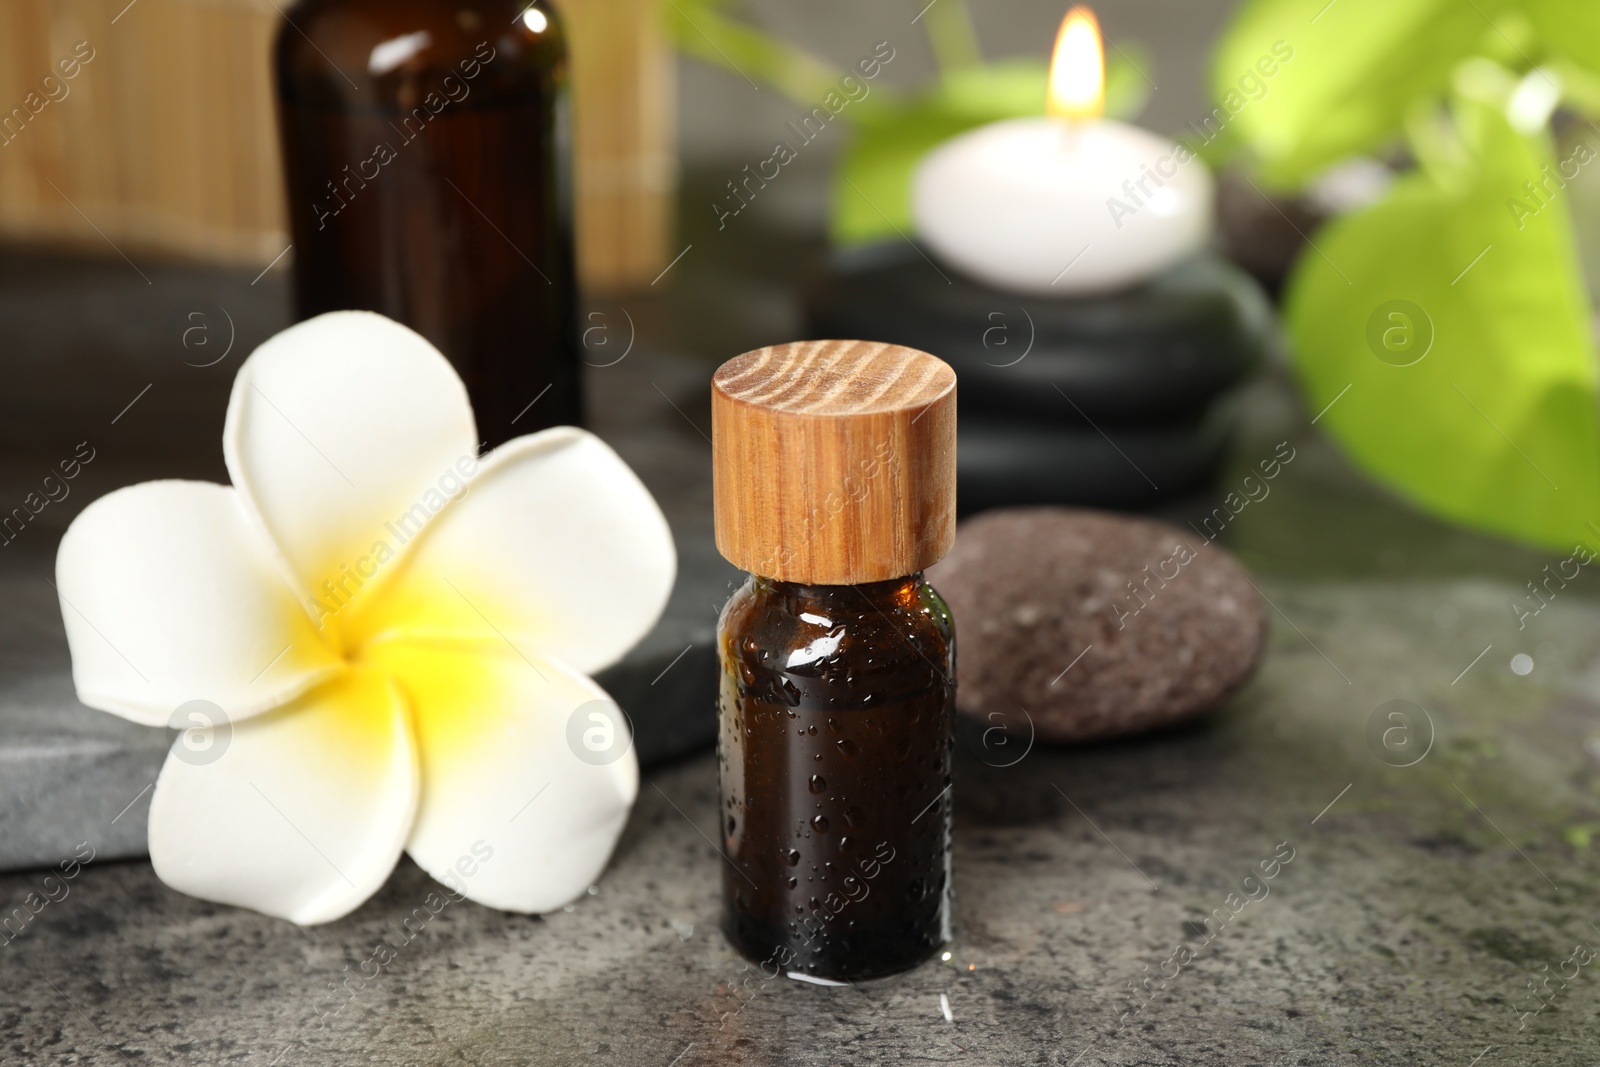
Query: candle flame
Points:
[1078, 68]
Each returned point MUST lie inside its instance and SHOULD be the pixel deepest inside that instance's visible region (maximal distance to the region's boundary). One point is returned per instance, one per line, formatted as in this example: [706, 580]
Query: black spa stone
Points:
[1162, 350]
[1005, 463]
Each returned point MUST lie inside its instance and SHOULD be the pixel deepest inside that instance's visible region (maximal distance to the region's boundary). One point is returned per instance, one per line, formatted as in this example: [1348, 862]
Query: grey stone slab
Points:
[68, 776]
[71, 775]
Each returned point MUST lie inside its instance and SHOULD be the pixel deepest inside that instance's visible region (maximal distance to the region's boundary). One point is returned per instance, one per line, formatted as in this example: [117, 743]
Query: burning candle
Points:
[1067, 204]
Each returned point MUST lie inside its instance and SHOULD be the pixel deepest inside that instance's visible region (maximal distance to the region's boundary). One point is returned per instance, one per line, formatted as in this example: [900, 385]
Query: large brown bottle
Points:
[425, 152]
[835, 487]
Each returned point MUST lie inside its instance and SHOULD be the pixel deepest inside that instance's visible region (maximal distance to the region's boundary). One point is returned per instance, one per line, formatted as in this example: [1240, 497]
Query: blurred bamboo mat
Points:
[151, 125]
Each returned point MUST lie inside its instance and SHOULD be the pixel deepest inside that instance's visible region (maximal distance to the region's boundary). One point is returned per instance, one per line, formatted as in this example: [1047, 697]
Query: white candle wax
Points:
[1047, 206]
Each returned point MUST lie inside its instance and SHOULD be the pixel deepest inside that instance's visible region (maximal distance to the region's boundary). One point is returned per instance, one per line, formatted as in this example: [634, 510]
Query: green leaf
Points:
[1343, 74]
[1570, 27]
[951, 35]
[1580, 86]
[1495, 425]
[872, 186]
[703, 31]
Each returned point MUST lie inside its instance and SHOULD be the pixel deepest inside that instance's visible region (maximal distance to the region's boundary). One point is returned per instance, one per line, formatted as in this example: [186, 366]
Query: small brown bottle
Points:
[835, 487]
[427, 170]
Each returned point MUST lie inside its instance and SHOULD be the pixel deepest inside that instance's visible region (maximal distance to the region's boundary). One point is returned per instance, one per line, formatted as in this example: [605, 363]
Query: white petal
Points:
[304, 812]
[170, 594]
[337, 426]
[556, 545]
[512, 815]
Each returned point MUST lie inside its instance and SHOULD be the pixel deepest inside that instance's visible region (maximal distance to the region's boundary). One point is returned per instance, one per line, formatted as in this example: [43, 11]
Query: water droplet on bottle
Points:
[819, 823]
[791, 857]
[818, 784]
[847, 748]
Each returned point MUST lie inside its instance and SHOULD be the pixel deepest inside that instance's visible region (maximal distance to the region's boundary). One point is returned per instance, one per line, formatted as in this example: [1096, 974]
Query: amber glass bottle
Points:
[834, 488]
[427, 170]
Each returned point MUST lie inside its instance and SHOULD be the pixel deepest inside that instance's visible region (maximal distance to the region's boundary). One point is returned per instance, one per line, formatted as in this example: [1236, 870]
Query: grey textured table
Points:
[1419, 902]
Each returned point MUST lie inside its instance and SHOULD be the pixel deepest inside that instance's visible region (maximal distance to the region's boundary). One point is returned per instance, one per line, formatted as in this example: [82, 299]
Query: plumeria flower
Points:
[399, 634]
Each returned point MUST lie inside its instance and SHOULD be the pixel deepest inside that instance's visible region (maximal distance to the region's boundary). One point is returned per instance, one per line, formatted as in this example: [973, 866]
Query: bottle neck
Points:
[902, 591]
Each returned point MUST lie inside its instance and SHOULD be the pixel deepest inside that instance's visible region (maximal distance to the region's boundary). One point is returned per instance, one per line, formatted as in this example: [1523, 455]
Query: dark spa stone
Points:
[1099, 625]
[1003, 463]
[1151, 353]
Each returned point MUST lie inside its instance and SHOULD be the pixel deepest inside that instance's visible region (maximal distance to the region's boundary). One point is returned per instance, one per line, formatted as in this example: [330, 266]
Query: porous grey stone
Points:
[1100, 625]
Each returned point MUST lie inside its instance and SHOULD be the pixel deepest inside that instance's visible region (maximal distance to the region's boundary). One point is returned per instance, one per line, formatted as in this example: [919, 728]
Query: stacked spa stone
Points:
[1114, 400]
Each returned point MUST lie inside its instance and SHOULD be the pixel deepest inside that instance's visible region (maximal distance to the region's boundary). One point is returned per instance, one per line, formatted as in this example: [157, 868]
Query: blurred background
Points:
[143, 217]
[161, 152]
[172, 138]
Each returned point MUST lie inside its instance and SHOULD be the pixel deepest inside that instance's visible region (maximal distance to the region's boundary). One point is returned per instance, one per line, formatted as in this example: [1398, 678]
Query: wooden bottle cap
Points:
[835, 461]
